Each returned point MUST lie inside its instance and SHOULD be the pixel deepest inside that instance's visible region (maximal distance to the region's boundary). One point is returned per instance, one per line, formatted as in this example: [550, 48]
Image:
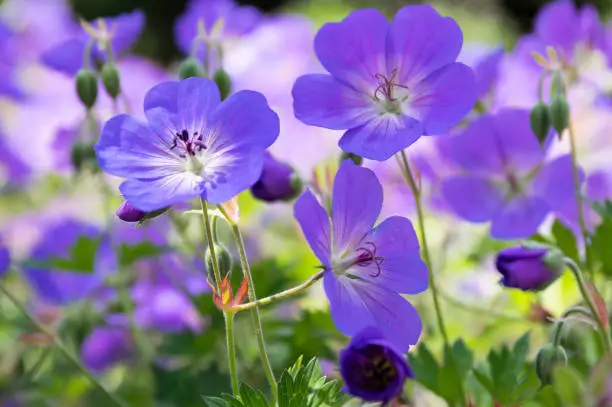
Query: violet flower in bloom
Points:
[117, 33]
[192, 146]
[107, 346]
[505, 178]
[529, 268]
[486, 65]
[372, 368]
[390, 83]
[220, 19]
[278, 181]
[62, 287]
[366, 267]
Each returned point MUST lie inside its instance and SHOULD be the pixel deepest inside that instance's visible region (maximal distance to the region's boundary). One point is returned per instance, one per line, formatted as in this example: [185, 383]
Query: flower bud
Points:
[529, 268]
[224, 83]
[224, 259]
[540, 121]
[277, 182]
[557, 86]
[110, 79]
[5, 261]
[358, 160]
[559, 114]
[548, 357]
[128, 213]
[87, 87]
[189, 68]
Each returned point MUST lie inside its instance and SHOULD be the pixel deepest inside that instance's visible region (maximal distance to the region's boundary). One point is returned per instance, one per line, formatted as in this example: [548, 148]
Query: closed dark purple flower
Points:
[120, 32]
[372, 368]
[192, 144]
[277, 181]
[128, 213]
[107, 346]
[366, 267]
[5, 261]
[389, 83]
[529, 268]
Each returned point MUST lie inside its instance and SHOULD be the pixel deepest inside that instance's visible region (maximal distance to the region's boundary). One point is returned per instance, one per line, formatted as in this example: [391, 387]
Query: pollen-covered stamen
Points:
[384, 90]
[367, 256]
[191, 145]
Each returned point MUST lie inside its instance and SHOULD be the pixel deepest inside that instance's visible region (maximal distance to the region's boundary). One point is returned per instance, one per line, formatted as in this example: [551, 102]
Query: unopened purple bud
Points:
[278, 181]
[372, 368]
[128, 213]
[529, 268]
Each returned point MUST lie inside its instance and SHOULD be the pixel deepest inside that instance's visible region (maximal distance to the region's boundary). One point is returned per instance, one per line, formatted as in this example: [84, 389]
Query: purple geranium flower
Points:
[505, 179]
[365, 267]
[63, 287]
[192, 146]
[107, 346]
[117, 33]
[486, 64]
[390, 83]
[372, 368]
[220, 19]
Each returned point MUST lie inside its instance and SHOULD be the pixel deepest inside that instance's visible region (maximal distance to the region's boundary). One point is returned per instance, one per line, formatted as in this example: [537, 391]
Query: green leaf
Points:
[565, 240]
[129, 254]
[463, 357]
[252, 397]
[520, 351]
[450, 382]
[215, 401]
[81, 257]
[425, 367]
[601, 244]
[569, 387]
[302, 385]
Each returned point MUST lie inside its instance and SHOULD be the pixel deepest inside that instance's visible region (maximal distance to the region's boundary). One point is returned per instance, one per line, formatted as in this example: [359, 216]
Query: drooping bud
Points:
[224, 259]
[559, 114]
[111, 80]
[529, 268]
[83, 156]
[557, 86]
[549, 356]
[87, 87]
[224, 83]
[358, 160]
[540, 121]
[128, 213]
[190, 68]
[277, 182]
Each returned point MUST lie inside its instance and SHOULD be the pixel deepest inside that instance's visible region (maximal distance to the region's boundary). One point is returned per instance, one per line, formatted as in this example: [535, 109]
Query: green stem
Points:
[559, 325]
[405, 167]
[482, 312]
[261, 343]
[231, 351]
[60, 346]
[280, 296]
[229, 321]
[580, 280]
[579, 198]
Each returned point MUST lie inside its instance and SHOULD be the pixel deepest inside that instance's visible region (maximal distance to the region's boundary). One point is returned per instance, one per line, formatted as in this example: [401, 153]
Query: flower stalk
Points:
[416, 192]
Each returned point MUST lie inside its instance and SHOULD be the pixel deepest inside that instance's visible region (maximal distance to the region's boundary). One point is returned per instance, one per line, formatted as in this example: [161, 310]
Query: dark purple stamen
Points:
[367, 255]
[385, 86]
[191, 145]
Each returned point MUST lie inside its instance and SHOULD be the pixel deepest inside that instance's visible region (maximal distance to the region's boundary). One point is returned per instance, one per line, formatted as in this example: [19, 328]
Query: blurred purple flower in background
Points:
[365, 267]
[221, 20]
[107, 346]
[8, 64]
[372, 368]
[389, 83]
[192, 146]
[62, 287]
[505, 178]
[5, 260]
[485, 61]
[116, 34]
[528, 268]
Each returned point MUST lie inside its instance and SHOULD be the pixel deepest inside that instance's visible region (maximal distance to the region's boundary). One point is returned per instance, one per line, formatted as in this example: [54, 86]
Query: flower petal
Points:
[401, 269]
[126, 28]
[128, 148]
[353, 50]
[519, 219]
[151, 195]
[555, 183]
[473, 198]
[66, 57]
[382, 137]
[315, 224]
[420, 42]
[356, 204]
[443, 98]
[356, 305]
[322, 100]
